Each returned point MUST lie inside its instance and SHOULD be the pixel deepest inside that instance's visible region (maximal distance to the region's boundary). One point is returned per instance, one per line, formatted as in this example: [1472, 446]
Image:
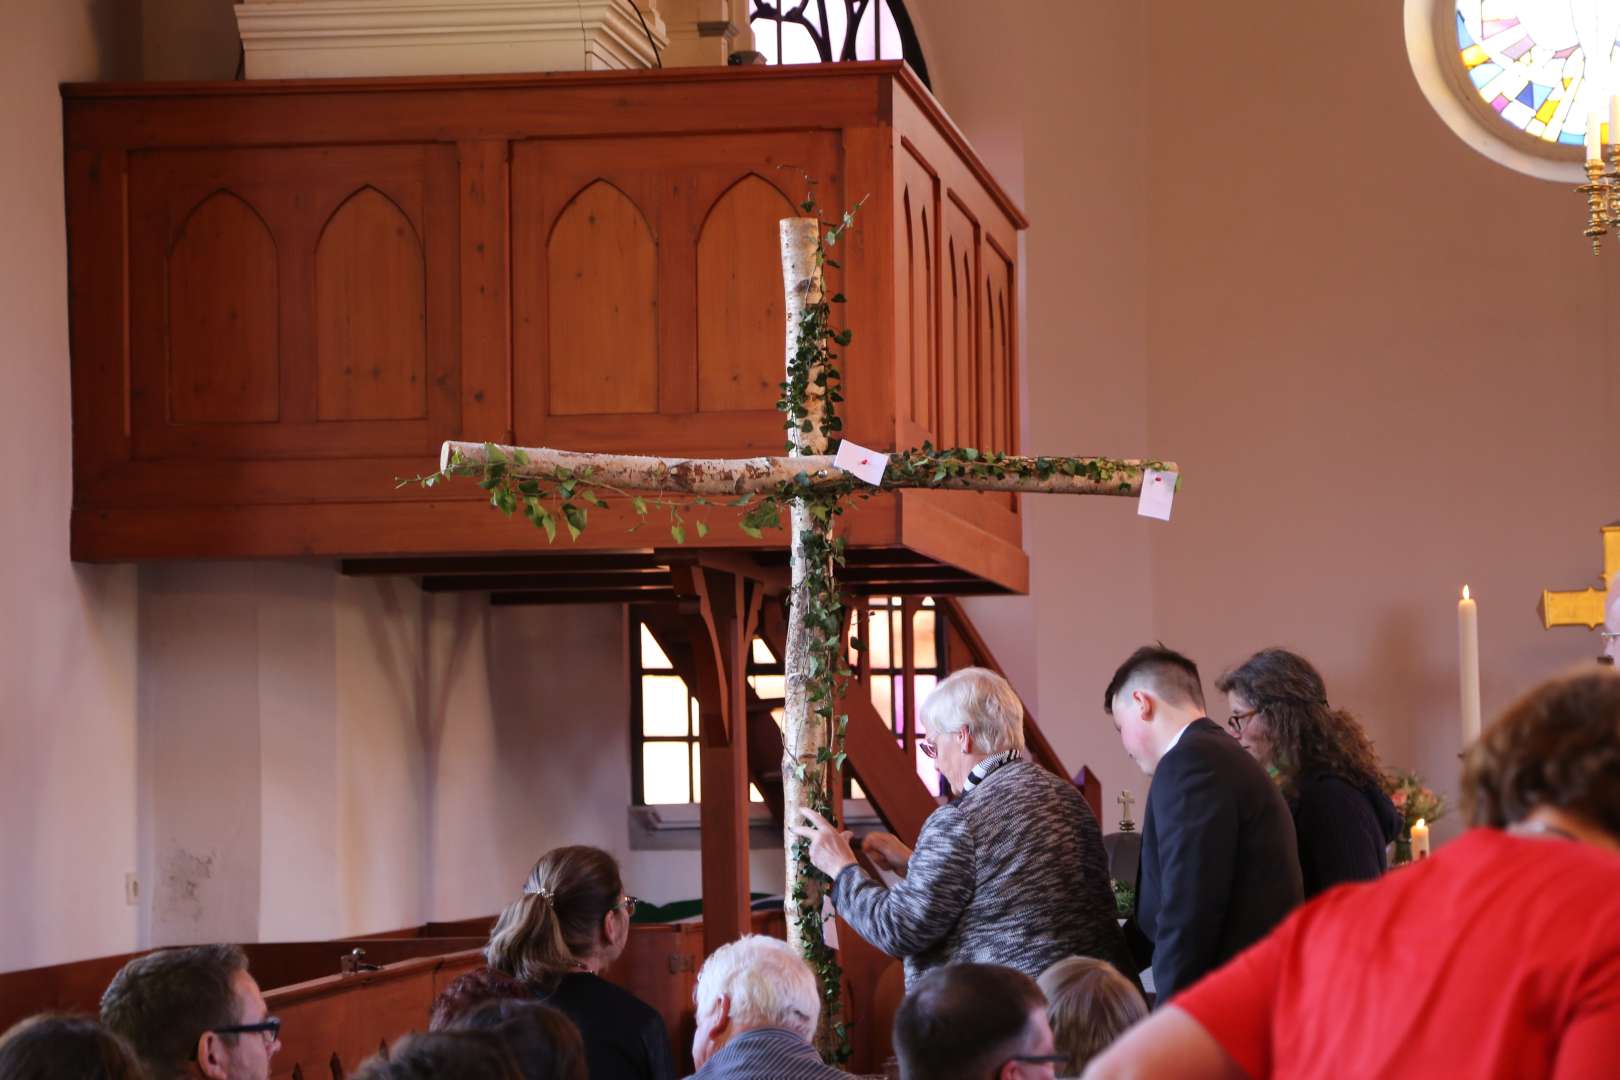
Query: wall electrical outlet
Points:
[132, 890]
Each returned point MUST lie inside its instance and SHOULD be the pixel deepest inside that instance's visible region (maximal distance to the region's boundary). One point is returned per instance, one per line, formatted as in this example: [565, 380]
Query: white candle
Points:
[1594, 137]
[1614, 120]
[1420, 840]
[1468, 665]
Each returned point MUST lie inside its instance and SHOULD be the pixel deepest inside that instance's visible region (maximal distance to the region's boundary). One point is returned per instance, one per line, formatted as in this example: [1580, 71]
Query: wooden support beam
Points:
[720, 611]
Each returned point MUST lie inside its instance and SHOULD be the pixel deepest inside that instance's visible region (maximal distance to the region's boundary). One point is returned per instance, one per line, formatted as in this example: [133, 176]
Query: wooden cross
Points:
[812, 469]
[1591, 607]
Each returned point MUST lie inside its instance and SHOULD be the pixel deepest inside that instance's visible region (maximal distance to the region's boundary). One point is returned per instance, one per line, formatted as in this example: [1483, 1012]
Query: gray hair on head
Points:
[766, 982]
[983, 702]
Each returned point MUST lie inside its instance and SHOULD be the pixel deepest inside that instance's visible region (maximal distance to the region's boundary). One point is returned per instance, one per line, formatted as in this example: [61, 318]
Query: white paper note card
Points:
[1158, 492]
[864, 463]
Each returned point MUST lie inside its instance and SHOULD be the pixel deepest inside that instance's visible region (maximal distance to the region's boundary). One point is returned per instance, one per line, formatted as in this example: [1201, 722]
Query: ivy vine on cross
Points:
[549, 485]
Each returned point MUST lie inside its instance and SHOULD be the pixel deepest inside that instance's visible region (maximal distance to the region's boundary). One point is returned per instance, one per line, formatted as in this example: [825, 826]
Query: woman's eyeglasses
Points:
[1239, 720]
[629, 904]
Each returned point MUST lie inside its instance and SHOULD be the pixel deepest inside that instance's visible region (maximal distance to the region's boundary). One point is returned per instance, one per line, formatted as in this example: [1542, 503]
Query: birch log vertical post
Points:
[803, 735]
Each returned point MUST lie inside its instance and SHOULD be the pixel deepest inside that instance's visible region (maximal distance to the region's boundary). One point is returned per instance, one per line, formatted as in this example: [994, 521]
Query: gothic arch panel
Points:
[602, 306]
[224, 364]
[740, 309]
[370, 313]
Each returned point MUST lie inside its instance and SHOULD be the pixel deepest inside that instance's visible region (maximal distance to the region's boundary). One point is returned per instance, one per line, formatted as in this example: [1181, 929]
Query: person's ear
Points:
[1144, 704]
[211, 1056]
[722, 1013]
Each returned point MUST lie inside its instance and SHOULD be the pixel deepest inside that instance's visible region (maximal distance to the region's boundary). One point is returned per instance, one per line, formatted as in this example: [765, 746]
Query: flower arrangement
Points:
[1124, 898]
[1413, 800]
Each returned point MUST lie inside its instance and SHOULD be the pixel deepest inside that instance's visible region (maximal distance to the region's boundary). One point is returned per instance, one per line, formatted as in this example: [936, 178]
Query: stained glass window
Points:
[1544, 66]
[824, 31]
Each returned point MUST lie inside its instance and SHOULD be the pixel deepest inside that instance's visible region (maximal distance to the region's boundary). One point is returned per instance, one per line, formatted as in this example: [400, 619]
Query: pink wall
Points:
[1387, 364]
[1077, 166]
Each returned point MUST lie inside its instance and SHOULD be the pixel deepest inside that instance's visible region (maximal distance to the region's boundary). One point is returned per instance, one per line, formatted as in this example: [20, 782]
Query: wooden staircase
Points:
[882, 750]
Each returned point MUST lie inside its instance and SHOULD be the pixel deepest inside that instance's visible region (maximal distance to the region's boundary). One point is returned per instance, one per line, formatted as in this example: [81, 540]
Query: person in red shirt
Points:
[1498, 957]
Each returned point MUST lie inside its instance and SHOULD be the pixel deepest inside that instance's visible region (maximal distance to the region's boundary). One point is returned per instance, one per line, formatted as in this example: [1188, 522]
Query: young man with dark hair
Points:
[1220, 864]
[193, 1012]
[971, 1021]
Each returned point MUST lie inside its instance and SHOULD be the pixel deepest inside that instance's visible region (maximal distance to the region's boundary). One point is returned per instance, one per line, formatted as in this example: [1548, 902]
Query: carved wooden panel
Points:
[959, 347]
[740, 309]
[999, 399]
[286, 302]
[602, 308]
[223, 361]
[294, 293]
[612, 324]
[370, 313]
[917, 325]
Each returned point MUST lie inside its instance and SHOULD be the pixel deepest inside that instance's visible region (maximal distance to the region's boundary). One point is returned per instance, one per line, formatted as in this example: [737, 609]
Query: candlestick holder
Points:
[1598, 190]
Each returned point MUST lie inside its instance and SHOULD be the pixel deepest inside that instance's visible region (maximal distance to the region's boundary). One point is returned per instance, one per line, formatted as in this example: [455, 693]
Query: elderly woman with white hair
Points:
[1012, 872]
[757, 1009]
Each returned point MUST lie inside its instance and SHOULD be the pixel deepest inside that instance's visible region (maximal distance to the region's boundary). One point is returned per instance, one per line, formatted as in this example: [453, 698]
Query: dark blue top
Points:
[624, 1037]
[1343, 830]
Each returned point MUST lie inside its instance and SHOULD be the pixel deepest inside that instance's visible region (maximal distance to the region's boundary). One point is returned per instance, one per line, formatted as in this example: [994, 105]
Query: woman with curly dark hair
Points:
[1323, 761]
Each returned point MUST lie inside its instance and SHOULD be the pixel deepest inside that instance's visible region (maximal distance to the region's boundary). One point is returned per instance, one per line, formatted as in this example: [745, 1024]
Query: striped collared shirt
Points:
[767, 1054]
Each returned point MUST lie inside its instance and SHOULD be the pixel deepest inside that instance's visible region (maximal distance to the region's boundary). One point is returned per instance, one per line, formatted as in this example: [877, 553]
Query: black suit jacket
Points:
[1220, 864]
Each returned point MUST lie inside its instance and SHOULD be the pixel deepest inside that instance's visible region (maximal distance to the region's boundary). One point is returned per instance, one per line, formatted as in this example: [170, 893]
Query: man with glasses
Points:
[193, 1012]
[1219, 865]
[975, 1022]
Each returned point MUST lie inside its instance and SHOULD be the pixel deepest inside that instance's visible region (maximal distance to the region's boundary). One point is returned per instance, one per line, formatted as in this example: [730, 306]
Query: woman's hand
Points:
[886, 852]
[830, 851]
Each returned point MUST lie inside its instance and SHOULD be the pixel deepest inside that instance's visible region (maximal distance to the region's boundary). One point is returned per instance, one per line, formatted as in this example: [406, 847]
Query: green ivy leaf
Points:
[702, 529]
[678, 531]
[574, 516]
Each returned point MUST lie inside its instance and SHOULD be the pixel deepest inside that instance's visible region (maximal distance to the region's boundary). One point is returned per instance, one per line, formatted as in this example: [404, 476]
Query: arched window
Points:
[1519, 80]
[825, 31]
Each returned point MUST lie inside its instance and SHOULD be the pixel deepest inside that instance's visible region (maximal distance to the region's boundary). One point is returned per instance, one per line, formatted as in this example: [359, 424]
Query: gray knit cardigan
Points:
[1011, 873]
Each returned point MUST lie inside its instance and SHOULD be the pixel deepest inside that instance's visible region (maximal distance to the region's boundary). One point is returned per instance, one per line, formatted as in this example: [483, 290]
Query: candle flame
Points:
[1465, 592]
[1419, 824]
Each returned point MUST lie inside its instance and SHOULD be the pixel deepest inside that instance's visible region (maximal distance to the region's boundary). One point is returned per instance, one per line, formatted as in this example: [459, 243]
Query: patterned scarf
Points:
[986, 767]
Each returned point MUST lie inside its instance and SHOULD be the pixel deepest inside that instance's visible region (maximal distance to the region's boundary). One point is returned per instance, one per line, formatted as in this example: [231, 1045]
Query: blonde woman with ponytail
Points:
[571, 922]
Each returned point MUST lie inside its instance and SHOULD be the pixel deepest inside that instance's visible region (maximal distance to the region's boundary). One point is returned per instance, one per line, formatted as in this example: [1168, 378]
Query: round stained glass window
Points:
[1543, 66]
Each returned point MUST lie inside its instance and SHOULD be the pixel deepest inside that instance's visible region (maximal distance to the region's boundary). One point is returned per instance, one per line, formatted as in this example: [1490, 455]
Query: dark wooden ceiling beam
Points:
[559, 563]
[575, 582]
[588, 596]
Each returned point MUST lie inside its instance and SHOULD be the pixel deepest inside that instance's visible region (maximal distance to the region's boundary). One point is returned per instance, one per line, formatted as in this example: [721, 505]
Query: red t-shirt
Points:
[1498, 957]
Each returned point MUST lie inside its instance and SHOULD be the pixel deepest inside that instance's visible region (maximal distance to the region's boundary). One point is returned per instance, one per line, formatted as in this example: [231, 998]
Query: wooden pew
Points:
[331, 1022]
[330, 1025]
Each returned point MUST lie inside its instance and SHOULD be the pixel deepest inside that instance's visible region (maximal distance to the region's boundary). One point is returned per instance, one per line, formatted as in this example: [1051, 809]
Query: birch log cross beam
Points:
[815, 492]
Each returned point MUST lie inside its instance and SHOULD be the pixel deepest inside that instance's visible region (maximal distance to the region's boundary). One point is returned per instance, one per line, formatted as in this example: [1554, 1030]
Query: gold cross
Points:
[1586, 606]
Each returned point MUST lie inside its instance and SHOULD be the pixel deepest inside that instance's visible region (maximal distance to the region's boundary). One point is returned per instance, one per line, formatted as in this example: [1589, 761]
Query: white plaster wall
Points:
[543, 759]
[67, 633]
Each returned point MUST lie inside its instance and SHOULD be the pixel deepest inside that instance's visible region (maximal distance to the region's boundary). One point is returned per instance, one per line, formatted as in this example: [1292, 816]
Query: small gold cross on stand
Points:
[1125, 800]
[1588, 607]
